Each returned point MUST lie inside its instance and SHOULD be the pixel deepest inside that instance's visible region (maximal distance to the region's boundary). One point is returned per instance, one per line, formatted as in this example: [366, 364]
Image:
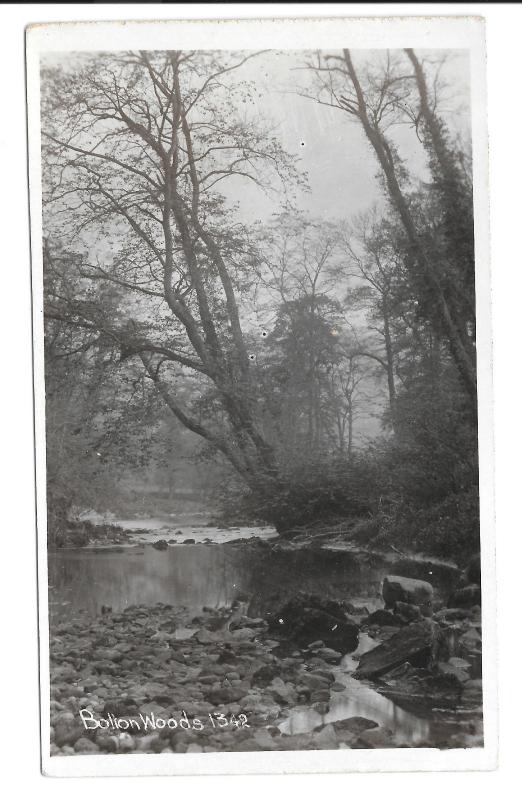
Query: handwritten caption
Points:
[151, 722]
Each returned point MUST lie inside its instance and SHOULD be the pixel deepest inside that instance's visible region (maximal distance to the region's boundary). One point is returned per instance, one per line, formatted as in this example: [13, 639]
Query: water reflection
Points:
[194, 576]
[358, 700]
[190, 576]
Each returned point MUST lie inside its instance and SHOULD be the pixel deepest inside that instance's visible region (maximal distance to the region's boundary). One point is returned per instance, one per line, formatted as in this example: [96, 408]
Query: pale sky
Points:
[331, 146]
[339, 161]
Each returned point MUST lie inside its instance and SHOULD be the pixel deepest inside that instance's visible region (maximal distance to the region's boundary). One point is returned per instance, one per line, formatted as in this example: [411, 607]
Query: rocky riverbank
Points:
[157, 680]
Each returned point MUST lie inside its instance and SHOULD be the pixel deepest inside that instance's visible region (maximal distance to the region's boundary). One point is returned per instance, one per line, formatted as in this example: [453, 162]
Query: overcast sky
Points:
[335, 153]
[331, 146]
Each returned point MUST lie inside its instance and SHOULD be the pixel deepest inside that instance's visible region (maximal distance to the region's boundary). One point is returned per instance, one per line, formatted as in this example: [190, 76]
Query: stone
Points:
[375, 738]
[189, 541]
[283, 692]
[144, 744]
[382, 617]
[326, 738]
[320, 696]
[224, 696]
[126, 743]
[264, 740]
[107, 742]
[314, 681]
[329, 655]
[412, 686]
[452, 614]
[469, 642]
[67, 733]
[120, 707]
[408, 611]
[84, 745]
[161, 544]
[396, 588]
[466, 597]
[152, 708]
[417, 644]
[309, 618]
[357, 611]
[460, 674]
[355, 725]
[461, 663]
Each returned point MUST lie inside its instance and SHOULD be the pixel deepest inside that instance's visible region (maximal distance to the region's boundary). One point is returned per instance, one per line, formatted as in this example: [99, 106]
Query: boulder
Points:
[382, 617]
[408, 612]
[161, 544]
[354, 725]
[396, 588]
[417, 644]
[308, 618]
[415, 687]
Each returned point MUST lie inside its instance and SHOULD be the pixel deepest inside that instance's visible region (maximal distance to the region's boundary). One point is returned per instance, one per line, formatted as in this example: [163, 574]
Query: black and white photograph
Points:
[260, 286]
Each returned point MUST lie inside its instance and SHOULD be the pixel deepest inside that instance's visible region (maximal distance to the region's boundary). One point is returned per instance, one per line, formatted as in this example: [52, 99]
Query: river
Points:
[202, 575]
[197, 575]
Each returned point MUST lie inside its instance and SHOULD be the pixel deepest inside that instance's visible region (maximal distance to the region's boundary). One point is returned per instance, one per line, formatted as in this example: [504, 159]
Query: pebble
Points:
[116, 664]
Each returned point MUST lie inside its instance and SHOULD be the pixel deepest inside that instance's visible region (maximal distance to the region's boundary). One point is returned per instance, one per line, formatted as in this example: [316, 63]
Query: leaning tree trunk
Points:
[458, 347]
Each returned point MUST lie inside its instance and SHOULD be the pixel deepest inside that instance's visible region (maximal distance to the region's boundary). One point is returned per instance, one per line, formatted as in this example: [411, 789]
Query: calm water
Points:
[213, 575]
[194, 576]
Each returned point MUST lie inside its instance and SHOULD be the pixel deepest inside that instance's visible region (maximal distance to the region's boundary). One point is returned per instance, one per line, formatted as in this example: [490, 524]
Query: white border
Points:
[389, 32]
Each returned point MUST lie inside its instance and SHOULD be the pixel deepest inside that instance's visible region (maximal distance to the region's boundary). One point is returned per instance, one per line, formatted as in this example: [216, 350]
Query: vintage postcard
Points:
[263, 395]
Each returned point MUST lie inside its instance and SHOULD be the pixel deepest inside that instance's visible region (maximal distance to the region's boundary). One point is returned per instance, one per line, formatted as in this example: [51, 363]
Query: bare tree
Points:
[138, 147]
[377, 101]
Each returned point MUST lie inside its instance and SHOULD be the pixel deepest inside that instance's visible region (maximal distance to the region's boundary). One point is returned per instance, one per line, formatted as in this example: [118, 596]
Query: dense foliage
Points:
[319, 373]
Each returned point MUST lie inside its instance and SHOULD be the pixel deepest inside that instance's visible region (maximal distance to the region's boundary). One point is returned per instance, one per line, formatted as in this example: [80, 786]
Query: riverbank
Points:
[156, 679]
[98, 533]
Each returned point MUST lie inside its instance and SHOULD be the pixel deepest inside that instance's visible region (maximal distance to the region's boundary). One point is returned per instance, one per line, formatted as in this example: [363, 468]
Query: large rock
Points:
[309, 618]
[161, 544]
[416, 687]
[417, 644]
[396, 588]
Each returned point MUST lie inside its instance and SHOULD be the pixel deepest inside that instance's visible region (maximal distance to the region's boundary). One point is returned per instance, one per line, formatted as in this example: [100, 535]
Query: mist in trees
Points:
[313, 368]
